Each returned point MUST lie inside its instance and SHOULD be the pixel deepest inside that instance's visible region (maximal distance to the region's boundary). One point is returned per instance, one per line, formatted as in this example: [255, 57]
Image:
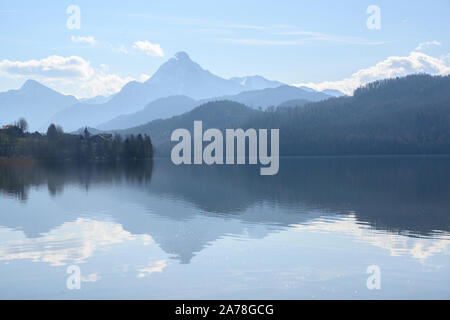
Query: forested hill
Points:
[217, 114]
[409, 115]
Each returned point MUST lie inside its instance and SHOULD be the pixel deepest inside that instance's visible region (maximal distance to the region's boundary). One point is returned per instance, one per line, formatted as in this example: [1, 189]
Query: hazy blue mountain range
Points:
[214, 114]
[158, 109]
[96, 100]
[256, 82]
[330, 92]
[34, 102]
[409, 115]
[273, 96]
[179, 85]
[178, 76]
[175, 105]
[307, 89]
[334, 93]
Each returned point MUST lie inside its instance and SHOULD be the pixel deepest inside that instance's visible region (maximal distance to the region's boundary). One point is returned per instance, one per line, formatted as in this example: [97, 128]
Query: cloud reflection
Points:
[419, 248]
[72, 242]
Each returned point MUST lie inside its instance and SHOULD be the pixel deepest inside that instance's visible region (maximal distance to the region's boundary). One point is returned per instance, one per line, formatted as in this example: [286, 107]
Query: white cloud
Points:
[122, 49]
[70, 75]
[144, 77]
[52, 67]
[149, 48]
[395, 66]
[422, 45]
[102, 84]
[156, 266]
[88, 40]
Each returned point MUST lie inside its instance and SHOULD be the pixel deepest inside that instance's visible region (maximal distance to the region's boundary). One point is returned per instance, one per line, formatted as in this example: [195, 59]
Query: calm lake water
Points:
[157, 231]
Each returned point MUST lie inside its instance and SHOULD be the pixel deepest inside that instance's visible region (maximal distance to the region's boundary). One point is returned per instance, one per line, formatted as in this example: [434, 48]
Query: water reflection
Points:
[409, 195]
[397, 194]
[17, 180]
[144, 217]
[72, 242]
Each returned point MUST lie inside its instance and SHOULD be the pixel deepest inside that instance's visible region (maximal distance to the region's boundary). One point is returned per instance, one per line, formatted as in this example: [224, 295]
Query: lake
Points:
[159, 231]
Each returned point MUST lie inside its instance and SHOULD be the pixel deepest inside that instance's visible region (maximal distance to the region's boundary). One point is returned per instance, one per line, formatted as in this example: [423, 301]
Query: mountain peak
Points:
[30, 84]
[182, 56]
[34, 88]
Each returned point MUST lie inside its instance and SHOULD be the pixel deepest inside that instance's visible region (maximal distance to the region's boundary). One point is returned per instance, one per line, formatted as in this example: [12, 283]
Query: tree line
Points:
[409, 115]
[15, 142]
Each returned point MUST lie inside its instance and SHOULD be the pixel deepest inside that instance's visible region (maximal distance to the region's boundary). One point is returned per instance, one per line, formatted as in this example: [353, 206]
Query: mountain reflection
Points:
[185, 208]
[397, 194]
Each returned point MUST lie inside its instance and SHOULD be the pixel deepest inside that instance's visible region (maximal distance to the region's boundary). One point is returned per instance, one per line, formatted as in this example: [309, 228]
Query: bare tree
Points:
[22, 124]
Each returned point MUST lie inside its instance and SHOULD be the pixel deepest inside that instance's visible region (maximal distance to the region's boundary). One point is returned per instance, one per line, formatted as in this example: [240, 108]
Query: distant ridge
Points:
[214, 114]
[159, 109]
[273, 96]
[179, 76]
[334, 93]
[167, 107]
[256, 82]
[34, 102]
[409, 115]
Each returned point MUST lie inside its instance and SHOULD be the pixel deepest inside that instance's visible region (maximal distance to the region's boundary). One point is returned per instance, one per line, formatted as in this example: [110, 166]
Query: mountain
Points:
[96, 99]
[178, 76]
[307, 89]
[159, 109]
[182, 76]
[330, 92]
[256, 82]
[175, 105]
[409, 115]
[273, 96]
[215, 114]
[34, 102]
[333, 93]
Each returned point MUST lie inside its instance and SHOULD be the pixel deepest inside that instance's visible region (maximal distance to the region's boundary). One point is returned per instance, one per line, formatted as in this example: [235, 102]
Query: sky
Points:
[322, 44]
